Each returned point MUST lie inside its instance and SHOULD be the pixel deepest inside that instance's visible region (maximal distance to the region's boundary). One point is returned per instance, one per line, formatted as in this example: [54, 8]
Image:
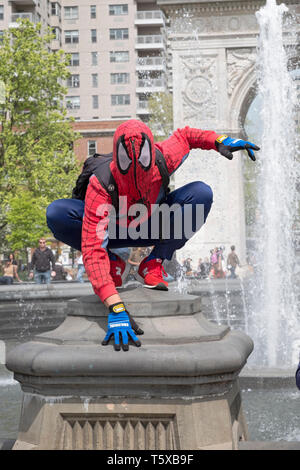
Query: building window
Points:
[73, 81]
[73, 102]
[118, 9]
[1, 12]
[93, 11]
[74, 59]
[1, 36]
[95, 101]
[117, 100]
[57, 33]
[55, 9]
[94, 80]
[94, 58]
[72, 37]
[71, 13]
[93, 35]
[92, 147]
[119, 56]
[119, 78]
[118, 33]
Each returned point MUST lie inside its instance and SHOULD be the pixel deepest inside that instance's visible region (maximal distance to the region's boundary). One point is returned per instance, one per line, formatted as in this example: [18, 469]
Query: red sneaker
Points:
[117, 268]
[152, 274]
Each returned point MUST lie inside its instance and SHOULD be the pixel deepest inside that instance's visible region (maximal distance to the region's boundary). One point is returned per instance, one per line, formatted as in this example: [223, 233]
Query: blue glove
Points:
[119, 324]
[225, 145]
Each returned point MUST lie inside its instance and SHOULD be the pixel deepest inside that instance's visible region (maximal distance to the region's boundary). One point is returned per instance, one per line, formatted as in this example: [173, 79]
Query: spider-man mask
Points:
[134, 158]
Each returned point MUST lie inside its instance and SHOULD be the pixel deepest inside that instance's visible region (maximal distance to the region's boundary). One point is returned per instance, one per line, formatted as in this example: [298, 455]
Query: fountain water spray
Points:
[275, 325]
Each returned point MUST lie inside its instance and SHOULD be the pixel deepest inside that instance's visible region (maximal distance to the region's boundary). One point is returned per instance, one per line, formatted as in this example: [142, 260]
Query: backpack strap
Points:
[161, 164]
[105, 177]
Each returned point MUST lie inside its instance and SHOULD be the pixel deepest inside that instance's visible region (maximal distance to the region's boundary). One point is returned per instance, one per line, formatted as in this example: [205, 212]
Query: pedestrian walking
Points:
[232, 262]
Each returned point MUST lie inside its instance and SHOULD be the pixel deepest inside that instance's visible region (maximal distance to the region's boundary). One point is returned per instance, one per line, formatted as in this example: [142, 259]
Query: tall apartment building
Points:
[117, 58]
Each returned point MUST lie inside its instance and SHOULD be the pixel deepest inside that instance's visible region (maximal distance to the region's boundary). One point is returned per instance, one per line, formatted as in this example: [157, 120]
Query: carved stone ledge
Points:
[171, 7]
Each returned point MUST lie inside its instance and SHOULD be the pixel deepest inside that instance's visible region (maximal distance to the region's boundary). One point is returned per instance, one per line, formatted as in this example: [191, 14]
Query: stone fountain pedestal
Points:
[179, 390]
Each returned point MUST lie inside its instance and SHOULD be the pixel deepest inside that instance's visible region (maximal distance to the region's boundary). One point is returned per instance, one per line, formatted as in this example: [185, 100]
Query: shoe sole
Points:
[160, 286]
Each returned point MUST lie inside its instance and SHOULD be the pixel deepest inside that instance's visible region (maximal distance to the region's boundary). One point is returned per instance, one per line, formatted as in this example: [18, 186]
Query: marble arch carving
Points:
[214, 47]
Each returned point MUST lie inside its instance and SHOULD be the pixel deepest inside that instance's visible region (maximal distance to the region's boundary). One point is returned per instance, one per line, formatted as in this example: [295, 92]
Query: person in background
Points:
[206, 264]
[298, 375]
[214, 261]
[201, 273]
[10, 271]
[14, 261]
[12, 258]
[232, 262]
[59, 269]
[40, 264]
[80, 266]
[187, 266]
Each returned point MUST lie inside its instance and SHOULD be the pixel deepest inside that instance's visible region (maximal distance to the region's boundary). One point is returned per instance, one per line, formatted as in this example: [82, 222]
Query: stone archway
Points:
[213, 48]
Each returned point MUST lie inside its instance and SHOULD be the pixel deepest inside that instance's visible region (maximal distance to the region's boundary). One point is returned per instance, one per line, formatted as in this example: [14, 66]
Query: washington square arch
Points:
[214, 51]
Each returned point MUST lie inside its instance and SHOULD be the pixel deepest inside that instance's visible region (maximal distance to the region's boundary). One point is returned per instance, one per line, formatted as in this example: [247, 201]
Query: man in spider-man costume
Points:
[84, 224]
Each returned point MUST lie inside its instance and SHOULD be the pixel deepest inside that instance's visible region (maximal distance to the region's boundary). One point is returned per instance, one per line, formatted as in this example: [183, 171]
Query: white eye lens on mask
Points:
[145, 155]
[124, 161]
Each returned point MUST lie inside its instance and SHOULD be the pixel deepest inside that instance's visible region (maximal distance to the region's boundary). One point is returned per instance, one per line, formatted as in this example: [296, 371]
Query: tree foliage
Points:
[161, 109]
[26, 219]
[37, 159]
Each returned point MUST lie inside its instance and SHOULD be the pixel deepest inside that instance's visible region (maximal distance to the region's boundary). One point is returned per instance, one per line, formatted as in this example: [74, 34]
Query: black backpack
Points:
[98, 165]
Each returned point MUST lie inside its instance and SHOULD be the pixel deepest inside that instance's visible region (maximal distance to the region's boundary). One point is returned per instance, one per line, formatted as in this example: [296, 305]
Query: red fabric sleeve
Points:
[94, 239]
[176, 148]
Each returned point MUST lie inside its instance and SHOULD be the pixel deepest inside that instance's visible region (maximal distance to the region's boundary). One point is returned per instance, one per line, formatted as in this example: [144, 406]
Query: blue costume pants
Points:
[64, 218]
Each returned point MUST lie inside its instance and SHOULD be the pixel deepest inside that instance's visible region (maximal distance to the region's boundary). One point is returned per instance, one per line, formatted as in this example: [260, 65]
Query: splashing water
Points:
[275, 325]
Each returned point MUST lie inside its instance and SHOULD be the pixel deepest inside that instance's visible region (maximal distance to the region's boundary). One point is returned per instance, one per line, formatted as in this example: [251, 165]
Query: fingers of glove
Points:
[138, 331]
[253, 146]
[125, 345]
[135, 326]
[117, 340]
[248, 146]
[134, 338]
[226, 153]
[107, 338]
[224, 150]
[241, 145]
[235, 149]
[251, 154]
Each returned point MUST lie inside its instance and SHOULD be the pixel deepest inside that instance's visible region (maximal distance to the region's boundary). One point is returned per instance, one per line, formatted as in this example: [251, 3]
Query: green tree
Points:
[36, 141]
[26, 219]
[161, 109]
